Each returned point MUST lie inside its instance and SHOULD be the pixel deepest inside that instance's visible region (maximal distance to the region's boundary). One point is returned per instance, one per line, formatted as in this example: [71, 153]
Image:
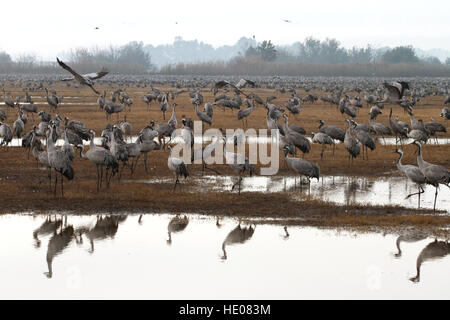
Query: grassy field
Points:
[24, 187]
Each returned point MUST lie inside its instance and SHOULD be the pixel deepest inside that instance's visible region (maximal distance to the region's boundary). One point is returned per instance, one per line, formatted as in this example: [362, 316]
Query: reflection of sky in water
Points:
[388, 141]
[134, 261]
[337, 189]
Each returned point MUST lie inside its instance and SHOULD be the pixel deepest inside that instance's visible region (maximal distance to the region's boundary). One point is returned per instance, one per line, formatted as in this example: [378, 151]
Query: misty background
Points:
[310, 56]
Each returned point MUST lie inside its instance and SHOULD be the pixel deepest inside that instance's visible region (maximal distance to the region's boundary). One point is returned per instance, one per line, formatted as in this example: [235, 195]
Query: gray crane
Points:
[5, 133]
[173, 119]
[52, 100]
[3, 115]
[148, 133]
[208, 108]
[109, 107]
[293, 107]
[7, 100]
[44, 116]
[413, 173]
[395, 92]
[351, 144]
[41, 157]
[434, 127]
[67, 147]
[30, 108]
[245, 113]
[78, 128]
[178, 167]
[434, 174]
[164, 106]
[295, 138]
[118, 148]
[18, 127]
[101, 158]
[445, 113]
[22, 116]
[164, 130]
[345, 107]
[417, 135]
[323, 139]
[239, 163]
[362, 127]
[380, 129]
[374, 112]
[58, 161]
[446, 100]
[398, 129]
[125, 127]
[272, 124]
[364, 138]
[87, 79]
[302, 167]
[334, 132]
[147, 146]
[203, 116]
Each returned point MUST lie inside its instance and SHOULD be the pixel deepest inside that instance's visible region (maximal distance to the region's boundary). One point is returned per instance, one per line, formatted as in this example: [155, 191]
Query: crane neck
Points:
[399, 161]
[82, 155]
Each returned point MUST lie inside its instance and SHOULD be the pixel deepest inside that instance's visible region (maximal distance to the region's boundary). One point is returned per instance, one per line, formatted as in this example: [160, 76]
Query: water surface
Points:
[127, 257]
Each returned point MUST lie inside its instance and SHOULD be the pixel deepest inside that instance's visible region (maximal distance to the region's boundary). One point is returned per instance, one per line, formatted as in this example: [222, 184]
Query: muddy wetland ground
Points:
[366, 194]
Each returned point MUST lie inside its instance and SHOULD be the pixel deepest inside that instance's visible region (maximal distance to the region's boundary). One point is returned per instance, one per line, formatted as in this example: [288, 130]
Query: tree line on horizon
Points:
[327, 57]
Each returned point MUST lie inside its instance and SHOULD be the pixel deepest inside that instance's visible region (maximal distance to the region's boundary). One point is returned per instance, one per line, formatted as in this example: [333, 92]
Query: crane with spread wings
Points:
[86, 79]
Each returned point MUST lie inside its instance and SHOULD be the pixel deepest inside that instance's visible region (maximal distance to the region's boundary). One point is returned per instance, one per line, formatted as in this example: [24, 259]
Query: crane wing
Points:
[393, 91]
[97, 75]
[75, 74]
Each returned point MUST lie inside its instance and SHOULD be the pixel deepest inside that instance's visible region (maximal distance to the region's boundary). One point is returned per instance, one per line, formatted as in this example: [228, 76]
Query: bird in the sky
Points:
[86, 79]
[288, 21]
[96, 28]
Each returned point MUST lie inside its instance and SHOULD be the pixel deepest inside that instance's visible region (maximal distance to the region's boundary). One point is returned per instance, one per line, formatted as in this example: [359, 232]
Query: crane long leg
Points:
[435, 197]
[240, 179]
[56, 182]
[176, 182]
[145, 162]
[50, 177]
[101, 176]
[62, 185]
[416, 193]
[96, 168]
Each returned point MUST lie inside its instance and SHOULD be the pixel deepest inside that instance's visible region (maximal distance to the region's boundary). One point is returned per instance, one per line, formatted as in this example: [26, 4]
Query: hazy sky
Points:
[47, 27]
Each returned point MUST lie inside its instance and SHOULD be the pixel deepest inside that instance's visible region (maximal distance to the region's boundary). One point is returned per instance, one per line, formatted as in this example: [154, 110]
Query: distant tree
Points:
[361, 55]
[26, 61]
[284, 55]
[251, 52]
[447, 61]
[310, 50]
[432, 60]
[133, 53]
[331, 52]
[404, 54]
[267, 51]
[4, 57]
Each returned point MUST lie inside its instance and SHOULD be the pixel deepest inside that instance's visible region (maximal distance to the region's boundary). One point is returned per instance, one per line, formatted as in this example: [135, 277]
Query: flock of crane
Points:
[115, 150]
